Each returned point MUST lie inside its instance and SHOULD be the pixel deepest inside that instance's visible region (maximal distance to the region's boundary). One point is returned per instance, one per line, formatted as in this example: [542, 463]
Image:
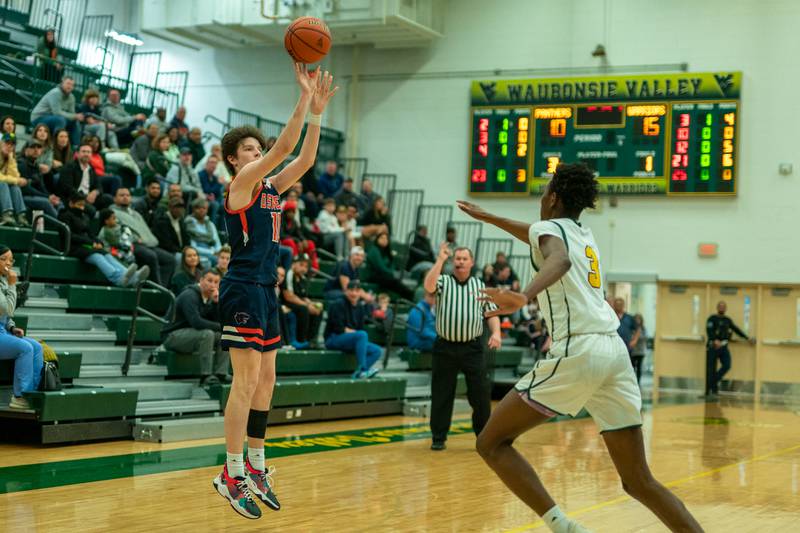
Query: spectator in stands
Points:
[95, 124]
[345, 331]
[149, 206]
[346, 195]
[173, 152]
[45, 161]
[450, 237]
[179, 122]
[380, 268]
[173, 191]
[9, 125]
[367, 197]
[169, 227]
[122, 124]
[47, 49]
[109, 182]
[91, 250]
[159, 118]
[502, 278]
[421, 329]
[203, 232]
[501, 260]
[342, 218]
[157, 165]
[26, 353]
[221, 170]
[146, 250]
[194, 142]
[310, 185]
[487, 274]
[78, 175]
[12, 205]
[35, 194]
[308, 314]
[382, 313]
[346, 271]
[293, 235]
[62, 150]
[420, 253]
[334, 236]
[117, 239]
[196, 330]
[330, 181]
[184, 175]
[377, 217]
[212, 185]
[141, 148]
[57, 110]
[188, 273]
[223, 259]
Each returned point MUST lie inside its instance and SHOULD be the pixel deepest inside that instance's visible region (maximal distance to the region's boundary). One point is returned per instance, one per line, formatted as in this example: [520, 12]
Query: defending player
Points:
[248, 305]
[588, 364]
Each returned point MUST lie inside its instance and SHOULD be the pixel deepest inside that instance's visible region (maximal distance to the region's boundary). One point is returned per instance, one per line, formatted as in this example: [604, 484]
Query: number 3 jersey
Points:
[254, 234]
[575, 304]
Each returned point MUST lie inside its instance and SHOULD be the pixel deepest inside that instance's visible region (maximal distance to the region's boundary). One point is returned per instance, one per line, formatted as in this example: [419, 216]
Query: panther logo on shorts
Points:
[241, 318]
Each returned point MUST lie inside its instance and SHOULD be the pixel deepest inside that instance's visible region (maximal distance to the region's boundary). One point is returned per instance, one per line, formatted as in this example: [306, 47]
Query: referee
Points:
[458, 347]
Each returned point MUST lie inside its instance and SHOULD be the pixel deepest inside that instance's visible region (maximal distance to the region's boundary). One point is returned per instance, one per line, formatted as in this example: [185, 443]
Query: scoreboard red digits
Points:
[500, 141]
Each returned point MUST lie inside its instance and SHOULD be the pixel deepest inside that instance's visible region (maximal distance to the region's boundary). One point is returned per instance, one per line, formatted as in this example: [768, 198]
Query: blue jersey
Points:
[254, 233]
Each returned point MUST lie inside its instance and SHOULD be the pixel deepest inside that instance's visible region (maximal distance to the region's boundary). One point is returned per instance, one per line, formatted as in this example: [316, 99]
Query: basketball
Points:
[307, 40]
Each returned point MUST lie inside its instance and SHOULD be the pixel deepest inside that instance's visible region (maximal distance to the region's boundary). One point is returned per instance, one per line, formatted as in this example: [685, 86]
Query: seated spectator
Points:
[159, 118]
[367, 197]
[122, 124]
[47, 50]
[26, 353]
[9, 125]
[421, 328]
[12, 205]
[173, 152]
[420, 253]
[141, 148]
[212, 185]
[196, 329]
[309, 198]
[487, 275]
[344, 331]
[149, 206]
[62, 149]
[334, 236]
[223, 259]
[188, 273]
[179, 122]
[35, 193]
[293, 235]
[330, 181]
[94, 123]
[157, 165]
[117, 239]
[57, 110]
[502, 278]
[78, 175]
[342, 218]
[346, 195]
[221, 170]
[294, 294]
[173, 191]
[376, 220]
[346, 271]
[184, 175]
[501, 260]
[203, 232]
[194, 142]
[91, 250]
[109, 182]
[380, 268]
[45, 162]
[169, 227]
[145, 244]
[383, 314]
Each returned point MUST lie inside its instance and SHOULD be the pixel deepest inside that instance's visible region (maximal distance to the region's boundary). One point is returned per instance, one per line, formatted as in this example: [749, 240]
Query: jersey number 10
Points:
[594, 268]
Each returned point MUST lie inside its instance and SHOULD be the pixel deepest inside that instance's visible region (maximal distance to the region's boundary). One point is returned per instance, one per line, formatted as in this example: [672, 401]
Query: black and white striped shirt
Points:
[459, 315]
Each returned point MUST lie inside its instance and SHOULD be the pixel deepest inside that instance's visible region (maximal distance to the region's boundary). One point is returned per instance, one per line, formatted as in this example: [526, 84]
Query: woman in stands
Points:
[25, 352]
[189, 271]
[157, 163]
[380, 268]
[12, 206]
[173, 151]
[377, 217]
[9, 125]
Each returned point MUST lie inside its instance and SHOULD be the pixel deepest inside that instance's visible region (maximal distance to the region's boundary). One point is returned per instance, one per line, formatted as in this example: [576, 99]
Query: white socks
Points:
[235, 464]
[556, 520]
[256, 457]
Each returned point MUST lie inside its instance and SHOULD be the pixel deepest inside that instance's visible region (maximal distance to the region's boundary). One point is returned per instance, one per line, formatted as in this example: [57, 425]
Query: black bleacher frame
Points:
[404, 207]
[488, 247]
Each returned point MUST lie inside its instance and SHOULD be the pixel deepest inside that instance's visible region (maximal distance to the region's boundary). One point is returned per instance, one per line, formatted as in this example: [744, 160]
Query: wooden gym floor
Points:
[735, 464]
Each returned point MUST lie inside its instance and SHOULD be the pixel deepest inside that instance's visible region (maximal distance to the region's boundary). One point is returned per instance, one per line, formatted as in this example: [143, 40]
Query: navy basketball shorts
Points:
[249, 316]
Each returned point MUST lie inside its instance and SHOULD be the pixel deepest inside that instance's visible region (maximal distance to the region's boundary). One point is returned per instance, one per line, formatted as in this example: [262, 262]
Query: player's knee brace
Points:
[257, 424]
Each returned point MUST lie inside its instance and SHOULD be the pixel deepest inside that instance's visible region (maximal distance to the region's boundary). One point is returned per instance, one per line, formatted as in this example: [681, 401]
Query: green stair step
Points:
[83, 404]
[94, 298]
[19, 240]
[503, 358]
[286, 363]
[64, 269]
[147, 330]
[69, 367]
[378, 336]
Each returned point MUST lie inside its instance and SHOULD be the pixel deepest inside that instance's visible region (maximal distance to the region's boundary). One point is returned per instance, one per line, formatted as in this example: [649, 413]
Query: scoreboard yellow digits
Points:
[672, 134]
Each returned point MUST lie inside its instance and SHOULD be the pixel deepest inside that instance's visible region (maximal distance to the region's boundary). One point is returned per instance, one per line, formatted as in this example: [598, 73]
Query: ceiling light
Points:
[125, 38]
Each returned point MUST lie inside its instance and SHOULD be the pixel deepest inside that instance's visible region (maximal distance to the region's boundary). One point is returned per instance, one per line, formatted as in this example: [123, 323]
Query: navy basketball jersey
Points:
[254, 233]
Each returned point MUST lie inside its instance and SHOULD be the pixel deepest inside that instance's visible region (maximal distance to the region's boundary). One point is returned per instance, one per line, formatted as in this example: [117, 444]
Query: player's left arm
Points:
[295, 170]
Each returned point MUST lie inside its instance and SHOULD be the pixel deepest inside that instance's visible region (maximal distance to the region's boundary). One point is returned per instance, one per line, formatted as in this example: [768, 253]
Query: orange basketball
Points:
[307, 40]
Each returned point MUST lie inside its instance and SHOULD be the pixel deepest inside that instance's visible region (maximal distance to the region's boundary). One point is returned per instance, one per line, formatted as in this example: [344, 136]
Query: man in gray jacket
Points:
[124, 124]
[56, 109]
[145, 247]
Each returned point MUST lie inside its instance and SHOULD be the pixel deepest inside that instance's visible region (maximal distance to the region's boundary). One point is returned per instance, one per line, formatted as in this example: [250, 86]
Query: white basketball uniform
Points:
[588, 364]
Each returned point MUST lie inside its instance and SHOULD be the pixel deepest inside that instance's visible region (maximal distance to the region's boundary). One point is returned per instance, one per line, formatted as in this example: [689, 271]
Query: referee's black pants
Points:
[448, 359]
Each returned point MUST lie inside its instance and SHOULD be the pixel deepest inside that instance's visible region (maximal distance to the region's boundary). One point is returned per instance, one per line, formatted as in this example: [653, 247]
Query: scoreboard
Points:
[673, 134]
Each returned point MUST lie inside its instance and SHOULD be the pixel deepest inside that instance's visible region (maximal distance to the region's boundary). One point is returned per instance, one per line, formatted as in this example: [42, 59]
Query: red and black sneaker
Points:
[237, 492]
[261, 484]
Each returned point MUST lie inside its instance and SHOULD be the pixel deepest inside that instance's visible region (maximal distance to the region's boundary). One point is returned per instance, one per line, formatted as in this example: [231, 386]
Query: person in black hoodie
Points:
[420, 253]
[345, 331]
[169, 227]
[90, 249]
[196, 328]
[78, 175]
[150, 205]
[35, 194]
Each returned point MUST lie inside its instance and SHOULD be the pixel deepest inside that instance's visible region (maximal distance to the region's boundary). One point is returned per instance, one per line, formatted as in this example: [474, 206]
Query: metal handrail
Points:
[217, 120]
[36, 242]
[138, 309]
[20, 74]
[17, 94]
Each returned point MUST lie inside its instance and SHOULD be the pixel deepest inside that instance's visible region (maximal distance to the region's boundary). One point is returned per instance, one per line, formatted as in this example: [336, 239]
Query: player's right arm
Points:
[514, 227]
[432, 277]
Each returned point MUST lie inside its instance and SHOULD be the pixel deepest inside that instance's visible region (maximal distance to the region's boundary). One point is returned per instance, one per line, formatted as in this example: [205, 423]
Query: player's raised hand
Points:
[473, 210]
[305, 79]
[507, 301]
[323, 91]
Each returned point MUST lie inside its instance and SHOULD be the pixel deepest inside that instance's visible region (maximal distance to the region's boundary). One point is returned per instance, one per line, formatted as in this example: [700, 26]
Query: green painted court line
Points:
[60, 473]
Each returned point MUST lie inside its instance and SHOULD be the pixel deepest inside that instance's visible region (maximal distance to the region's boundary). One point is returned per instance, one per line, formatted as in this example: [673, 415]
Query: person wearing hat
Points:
[294, 293]
[346, 271]
[12, 205]
[169, 227]
[293, 234]
[35, 194]
[345, 330]
[186, 176]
